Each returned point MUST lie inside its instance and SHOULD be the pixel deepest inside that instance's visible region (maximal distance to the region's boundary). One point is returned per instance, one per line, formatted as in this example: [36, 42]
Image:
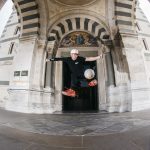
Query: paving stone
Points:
[76, 131]
[7, 143]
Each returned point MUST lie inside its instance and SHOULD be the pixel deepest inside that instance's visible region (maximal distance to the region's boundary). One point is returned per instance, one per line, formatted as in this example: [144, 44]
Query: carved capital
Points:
[41, 43]
[105, 49]
[28, 38]
[51, 45]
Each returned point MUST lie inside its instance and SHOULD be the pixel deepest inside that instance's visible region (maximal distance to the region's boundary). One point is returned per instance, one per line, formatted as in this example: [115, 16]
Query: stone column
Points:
[109, 67]
[39, 66]
[140, 87]
[26, 93]
[116, 95]
[21, 82]
[23, 64]
[50, 66]
[101, 69]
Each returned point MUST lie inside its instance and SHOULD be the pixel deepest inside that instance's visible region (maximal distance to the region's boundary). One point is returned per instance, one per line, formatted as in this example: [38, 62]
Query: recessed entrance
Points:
[88, 96]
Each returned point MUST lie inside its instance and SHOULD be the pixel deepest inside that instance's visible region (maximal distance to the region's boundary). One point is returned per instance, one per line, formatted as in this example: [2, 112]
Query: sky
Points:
[7, 9]
[4, 14]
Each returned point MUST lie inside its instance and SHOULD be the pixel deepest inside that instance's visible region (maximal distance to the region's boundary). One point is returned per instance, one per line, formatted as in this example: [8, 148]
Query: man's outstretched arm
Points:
[56, 59]
[93, 58]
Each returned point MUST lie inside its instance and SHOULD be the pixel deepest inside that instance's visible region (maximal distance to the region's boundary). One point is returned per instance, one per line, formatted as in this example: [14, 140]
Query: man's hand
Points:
[47, 60]
[101, 56]
[94, 58]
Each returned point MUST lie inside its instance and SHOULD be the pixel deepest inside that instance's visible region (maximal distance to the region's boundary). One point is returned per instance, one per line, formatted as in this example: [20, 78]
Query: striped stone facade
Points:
[35, 30]
[28, 16]
[143, 29]
[125, 15]
[9, 44]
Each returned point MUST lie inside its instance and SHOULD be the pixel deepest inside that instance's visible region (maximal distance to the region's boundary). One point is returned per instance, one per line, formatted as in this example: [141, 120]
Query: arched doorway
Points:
[60, 34]
[87, 99]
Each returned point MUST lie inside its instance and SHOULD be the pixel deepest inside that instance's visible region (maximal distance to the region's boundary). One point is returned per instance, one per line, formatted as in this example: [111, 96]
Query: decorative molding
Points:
[79, 39]
[69, 25]
[6, 58]
[9, 39]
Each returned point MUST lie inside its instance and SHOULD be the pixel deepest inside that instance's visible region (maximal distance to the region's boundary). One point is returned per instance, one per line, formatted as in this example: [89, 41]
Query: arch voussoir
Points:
[28, 16]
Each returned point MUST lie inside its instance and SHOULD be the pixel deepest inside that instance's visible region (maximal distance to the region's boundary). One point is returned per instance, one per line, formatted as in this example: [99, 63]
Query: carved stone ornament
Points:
[79, 39]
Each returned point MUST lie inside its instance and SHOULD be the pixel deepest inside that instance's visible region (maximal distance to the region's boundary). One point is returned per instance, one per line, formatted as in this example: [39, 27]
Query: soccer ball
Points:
[89, 74]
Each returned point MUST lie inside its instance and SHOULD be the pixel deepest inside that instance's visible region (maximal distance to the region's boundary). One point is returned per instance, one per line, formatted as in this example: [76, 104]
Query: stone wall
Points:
[26, 83]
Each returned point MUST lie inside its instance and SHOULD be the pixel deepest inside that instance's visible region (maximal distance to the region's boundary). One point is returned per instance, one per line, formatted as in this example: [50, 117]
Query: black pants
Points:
[75, 80]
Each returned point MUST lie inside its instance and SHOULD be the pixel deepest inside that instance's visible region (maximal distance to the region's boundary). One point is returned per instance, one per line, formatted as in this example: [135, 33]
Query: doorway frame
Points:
[101, 74]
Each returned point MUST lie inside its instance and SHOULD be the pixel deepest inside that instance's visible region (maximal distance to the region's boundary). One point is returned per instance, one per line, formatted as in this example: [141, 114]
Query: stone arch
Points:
[43, 11]
[28, 16]
[125, 22]
[78, 23]
[125, 15]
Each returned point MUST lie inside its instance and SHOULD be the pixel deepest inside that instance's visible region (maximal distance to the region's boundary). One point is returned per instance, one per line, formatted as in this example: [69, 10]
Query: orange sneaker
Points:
[69, 92]
[93, 83]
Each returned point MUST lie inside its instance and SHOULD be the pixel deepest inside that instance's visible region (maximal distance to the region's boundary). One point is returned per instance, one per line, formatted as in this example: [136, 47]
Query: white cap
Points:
[74, 51]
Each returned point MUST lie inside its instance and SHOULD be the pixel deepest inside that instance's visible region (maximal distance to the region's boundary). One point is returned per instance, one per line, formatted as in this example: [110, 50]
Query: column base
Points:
[25, 101]
[140, 96]
[119, 99]
[134, 97]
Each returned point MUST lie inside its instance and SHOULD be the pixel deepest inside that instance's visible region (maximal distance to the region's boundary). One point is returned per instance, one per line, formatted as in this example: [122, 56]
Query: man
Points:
[76, 66]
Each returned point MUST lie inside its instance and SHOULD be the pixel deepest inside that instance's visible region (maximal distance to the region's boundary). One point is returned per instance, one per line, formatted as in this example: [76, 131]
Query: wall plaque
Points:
[16, 73]
[24, 73]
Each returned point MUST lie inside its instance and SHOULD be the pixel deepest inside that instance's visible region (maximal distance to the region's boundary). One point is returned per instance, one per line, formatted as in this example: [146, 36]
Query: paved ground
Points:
[75, 131]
